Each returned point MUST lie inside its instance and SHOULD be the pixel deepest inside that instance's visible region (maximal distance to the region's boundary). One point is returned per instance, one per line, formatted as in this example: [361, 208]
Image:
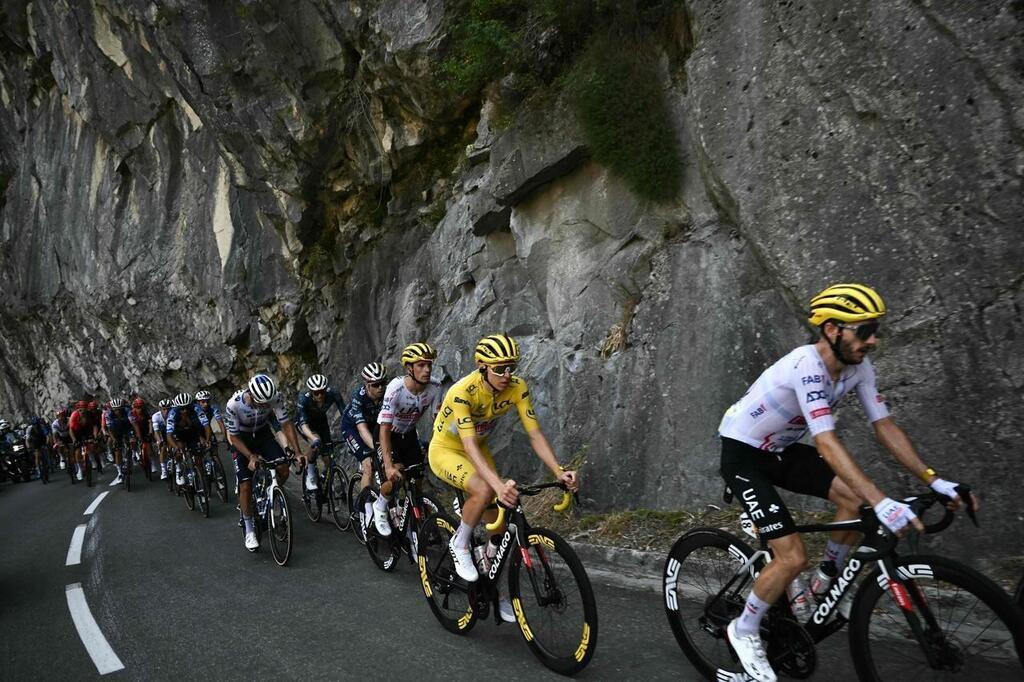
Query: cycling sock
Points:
[463, 535]
[310, 470]
[836, 553]
[381, 503]
[750, 620]
[249, 526]
[369, 510]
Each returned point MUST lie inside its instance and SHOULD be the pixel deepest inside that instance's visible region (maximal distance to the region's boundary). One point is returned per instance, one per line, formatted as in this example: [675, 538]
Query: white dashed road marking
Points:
[95, 503]
[96, 644]
[75, 550]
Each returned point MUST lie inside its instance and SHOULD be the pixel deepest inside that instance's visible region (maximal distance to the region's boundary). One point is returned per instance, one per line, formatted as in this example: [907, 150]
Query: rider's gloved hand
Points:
[315, 443]
[944, 487]
[895, 515]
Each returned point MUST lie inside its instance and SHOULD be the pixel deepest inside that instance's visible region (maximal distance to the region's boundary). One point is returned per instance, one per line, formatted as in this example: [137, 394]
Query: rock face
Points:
[189, 191]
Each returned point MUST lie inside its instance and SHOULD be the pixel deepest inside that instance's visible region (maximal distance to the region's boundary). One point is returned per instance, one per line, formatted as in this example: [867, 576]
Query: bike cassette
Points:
[791, 649]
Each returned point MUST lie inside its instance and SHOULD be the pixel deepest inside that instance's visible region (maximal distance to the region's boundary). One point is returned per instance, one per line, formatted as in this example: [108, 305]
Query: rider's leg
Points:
[366, 469]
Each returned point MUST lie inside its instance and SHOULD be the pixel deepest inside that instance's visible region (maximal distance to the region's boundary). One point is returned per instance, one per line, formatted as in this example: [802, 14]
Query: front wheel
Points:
[219, 481]
[383, 550]
[280, 527]
[704, 589]
[554, 602]
[357, 500]
[188, 490]
[1018, 595]
[202, 490]
[311, 500]
[338, 498]
[945, 620]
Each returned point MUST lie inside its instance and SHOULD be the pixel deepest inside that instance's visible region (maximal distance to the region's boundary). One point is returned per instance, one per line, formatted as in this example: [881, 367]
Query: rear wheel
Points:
[280, 527]
[88, 470]
[44, 467]
[146, 463]
[127, 464]
[202, 490]
[961, 625]
[554, 603]
[219, 482]
[446, 593]
[338, 498]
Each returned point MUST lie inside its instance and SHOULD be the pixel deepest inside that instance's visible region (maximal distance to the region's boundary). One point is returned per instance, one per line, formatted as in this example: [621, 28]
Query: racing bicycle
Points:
[910, 615]
[271, 514]
[549, 589]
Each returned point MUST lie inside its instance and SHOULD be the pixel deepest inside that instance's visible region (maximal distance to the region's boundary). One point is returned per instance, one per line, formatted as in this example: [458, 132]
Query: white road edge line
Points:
[113, 483]
[95, 503]
[75, 550]
[96, 644]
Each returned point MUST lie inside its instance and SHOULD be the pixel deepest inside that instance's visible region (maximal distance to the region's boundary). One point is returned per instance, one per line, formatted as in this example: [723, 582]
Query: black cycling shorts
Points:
[753, 475]
[405, 449]
[260, 443]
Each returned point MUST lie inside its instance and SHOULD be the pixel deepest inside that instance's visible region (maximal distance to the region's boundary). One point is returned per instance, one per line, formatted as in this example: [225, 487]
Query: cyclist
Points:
[311, 418]
[187, 430]
[60, 436]
[459, 454]
[359, 422]
[760, 451]
[159, 425]
[142, 424]
[83, 433]
[247, 416]
[118, 428]
[405, 400]
[212, 412]
[35, 442]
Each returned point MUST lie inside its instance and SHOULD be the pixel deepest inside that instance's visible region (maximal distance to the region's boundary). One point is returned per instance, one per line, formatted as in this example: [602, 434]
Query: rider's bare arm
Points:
[843, 464]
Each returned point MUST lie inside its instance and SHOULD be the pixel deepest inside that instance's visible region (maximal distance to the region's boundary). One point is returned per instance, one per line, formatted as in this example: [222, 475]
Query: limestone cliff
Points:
[192, 190]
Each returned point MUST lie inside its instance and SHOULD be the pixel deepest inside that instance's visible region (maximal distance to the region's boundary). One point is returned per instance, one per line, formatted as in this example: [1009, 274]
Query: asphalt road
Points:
[177, 596]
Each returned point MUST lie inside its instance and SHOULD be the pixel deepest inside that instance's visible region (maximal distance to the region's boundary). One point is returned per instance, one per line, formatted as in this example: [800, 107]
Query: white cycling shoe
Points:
[380, 521]
[311, 482]
[251, 543]
[750, 651]
[506, 611]
[464, 565]
[79, 474]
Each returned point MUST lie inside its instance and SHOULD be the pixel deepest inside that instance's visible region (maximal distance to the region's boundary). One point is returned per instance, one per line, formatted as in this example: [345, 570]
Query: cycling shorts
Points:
[405, 448]
[359, 449]
[452, 465]
[753, 474]
[260, 443]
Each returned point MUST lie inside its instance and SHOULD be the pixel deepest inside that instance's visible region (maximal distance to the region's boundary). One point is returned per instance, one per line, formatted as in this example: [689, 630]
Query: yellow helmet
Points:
[416, 352]
[846, 303]
[497, 349]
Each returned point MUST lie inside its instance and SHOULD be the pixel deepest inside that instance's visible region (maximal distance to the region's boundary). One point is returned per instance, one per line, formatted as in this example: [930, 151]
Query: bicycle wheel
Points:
[1018, 595]
[448, 599]
[310, 500]
[280, 527]
[188, 490]
[88, 471]
[220, 479]
[202, 490]
[147, 465]
[699, 566]
[44, 468]
[383, 551]
[126, 469]
[966, 626]
[337, 498]
[358, 512]
[554, 603]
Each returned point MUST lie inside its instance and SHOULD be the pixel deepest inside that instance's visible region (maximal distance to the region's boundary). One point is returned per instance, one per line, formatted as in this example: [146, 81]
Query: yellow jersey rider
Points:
[458, 451]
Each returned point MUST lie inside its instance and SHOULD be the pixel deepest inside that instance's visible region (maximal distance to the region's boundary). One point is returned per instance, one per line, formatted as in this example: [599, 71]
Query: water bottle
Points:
[799, 601]
[480, 557]
[822, 580]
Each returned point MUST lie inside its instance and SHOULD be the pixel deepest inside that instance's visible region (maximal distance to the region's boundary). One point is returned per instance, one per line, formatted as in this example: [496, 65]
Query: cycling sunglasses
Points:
[507, 370]
[378, 384]
[865, 330]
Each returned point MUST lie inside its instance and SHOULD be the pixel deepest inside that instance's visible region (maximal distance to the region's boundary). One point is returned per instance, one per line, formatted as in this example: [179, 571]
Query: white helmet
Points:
[165, 403]
[262, 388]
[203, 395]
[317, 382]
[373, 372]
[116, 403]
[182, 400]
[4, 425]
